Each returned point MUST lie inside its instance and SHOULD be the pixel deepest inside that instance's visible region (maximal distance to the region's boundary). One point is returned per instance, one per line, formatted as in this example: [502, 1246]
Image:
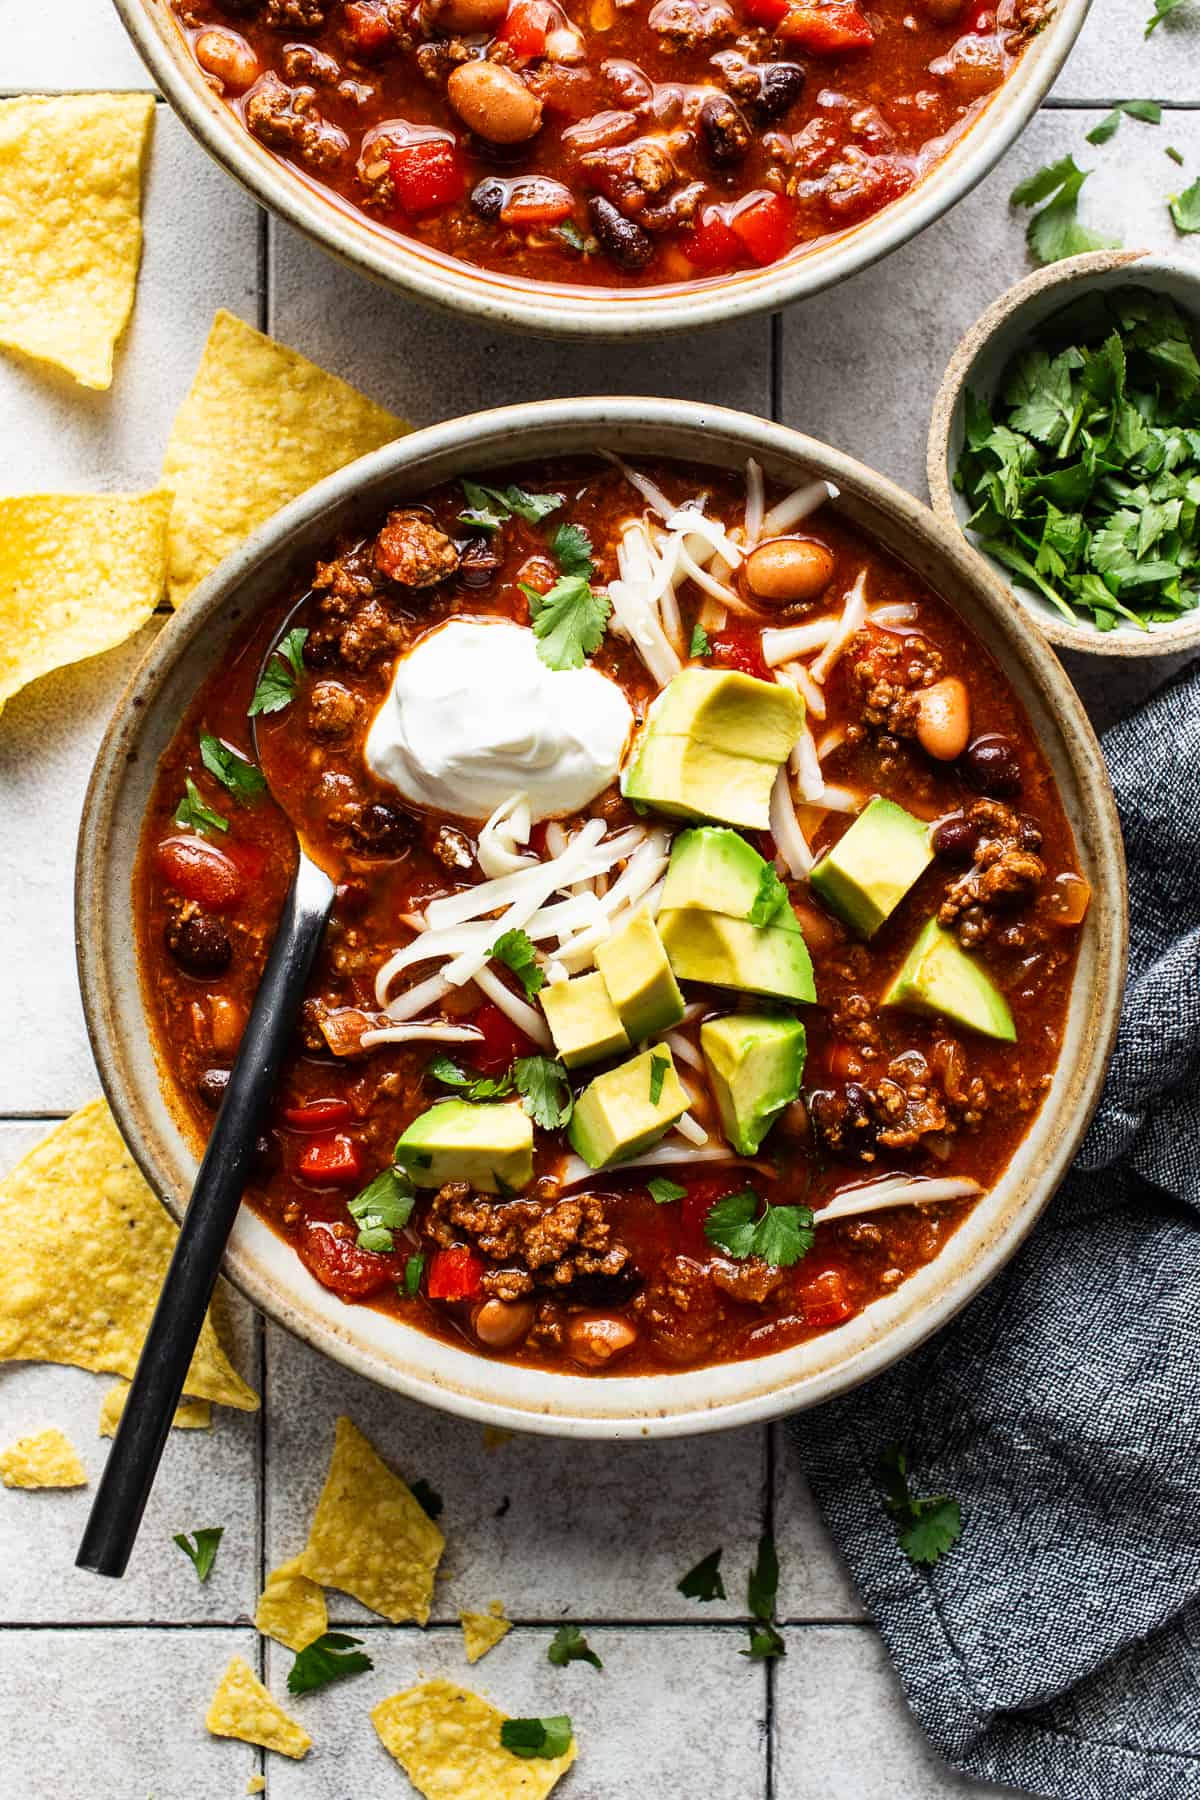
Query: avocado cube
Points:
[755, 1062]
[615, 1116]
[489, 1146]
[872, 866]
[583, 1021]
[728, 711]
[758, 959]
[639, 979]
[940, 978]
[718, 871]
[691, 780]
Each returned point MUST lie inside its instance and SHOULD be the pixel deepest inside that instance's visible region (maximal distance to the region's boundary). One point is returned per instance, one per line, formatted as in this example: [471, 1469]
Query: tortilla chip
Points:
[291, 1608]
[369, 1536]
[70, 226]
[242, 1708]
[447, 1741]
[79, 573]
[260, 425]
[190, 1415]
[256, 1784]
[48, 1460]
[482, 1632]
[84, 1246]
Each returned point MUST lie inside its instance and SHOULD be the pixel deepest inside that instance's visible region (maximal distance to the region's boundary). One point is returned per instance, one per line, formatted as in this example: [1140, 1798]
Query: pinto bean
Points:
[502, 1323]
[941, 12]
[494, 102]
[228, 56]
[467, 16]
[626, 243]
[787, 570]
[593, 1339]
[944, 719]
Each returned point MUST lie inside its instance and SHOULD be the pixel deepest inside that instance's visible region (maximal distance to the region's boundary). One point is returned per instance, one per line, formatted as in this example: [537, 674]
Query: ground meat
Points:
[843, 1121]
[691, 22]
[538, 1245]
[412, 552]
[357, 640]
[631, 175]
[886, 675]
[372, 828]
[346, 581]
[332, 710]
[1005, 874]
[198, 941]
[680, 1311]
[294, 15]
[907, 1103]
[287, 119]
[451, 847]
[751, 1281]
[304, 62]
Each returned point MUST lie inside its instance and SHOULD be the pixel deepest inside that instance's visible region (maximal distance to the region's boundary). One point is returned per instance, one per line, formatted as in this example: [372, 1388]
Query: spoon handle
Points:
[187, 1289]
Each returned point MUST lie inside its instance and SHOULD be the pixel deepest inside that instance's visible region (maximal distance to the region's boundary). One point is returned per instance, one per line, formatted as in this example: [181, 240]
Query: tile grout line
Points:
[243, 1622]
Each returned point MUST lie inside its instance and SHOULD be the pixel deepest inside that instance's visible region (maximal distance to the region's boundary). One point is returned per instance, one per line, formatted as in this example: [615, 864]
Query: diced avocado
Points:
[731, 712]
[693, 781]
[718, 871]
[456, 1140]
[615, 1116]
[755, 1062]
[706, 946]
[872, 866]
[639, 979]
[583, 1021]
[938, 977]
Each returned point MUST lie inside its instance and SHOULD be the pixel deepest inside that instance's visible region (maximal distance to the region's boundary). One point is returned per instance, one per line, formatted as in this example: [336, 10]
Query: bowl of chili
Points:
[563, 1277]
[614, 173]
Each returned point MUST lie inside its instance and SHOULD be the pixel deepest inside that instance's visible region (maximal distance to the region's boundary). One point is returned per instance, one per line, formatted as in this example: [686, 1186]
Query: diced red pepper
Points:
[366, 26]
[824, 1300]
[199, 871]
[455, 1274]
[426, 175]
[332, 1162]
[525, 27]
[333, 1256]
[765, 228]
[740, 647]
[537, 201]
[829, 30]
[712, 245]
[317, 1115]
[500, 1041]
[765, 12]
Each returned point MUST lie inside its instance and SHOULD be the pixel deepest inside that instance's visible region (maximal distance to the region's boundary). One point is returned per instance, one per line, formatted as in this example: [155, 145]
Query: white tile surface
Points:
[1113, 58]
[82, 44]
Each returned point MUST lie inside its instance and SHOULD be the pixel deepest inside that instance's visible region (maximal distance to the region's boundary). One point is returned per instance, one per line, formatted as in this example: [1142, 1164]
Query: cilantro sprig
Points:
[1083, 473]
[470, 1087]
[569, 1645]
[282, 676]
[658, 1074]
[762, 1595]
[201, 1548]
[244, 779]
[1054, 230]
[515, 950]
[414, 1269]
[570, 620]
[1162, 10]
[537, 1737]
[195, 814]
[780, 1235]
[488, 507]
[703, 1581]
[1185, 210]
[1148, 111]
[925, 1528]
[545, 1091]
[382, 1208]
[770, 898]
[662, 1191]
[331, 1657]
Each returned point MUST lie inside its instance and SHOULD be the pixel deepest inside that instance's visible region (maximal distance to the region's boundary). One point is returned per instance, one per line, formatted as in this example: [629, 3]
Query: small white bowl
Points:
[978, 365]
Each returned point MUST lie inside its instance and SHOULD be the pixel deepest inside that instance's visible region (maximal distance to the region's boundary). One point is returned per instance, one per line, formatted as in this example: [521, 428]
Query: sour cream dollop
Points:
[473, 716]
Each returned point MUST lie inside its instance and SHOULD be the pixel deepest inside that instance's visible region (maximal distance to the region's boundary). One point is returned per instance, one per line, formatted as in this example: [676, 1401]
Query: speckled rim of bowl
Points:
[383, 1349]
[579, 313]
[979, 361]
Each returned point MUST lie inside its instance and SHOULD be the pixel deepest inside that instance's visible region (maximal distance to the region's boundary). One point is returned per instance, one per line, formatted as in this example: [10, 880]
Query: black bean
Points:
[780, 85]
[626, 243]
[992, 766]
[955, 839]
[724, 132]
[381, 830]
[211, 1087]
[199, 942]
[488, 197]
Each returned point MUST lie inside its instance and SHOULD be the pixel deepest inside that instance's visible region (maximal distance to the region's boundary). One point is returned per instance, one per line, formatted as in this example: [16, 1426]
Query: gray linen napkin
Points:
[1057, 1646]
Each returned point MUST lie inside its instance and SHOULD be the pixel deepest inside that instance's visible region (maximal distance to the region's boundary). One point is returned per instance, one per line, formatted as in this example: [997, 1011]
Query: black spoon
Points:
[166, 1356]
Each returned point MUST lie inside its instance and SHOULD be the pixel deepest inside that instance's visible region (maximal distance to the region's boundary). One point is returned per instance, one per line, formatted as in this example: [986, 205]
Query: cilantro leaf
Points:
[572, 237]
[699, 645]
[765, 1642]
[545, 1091]
[472, 1087]
[537, 1737]
[662, 1191]
[489, 507]
[1162, 10]
[730, 1223]
[569, 1645]
[1175, 155]
[658, 1074]
[202, 1553]
[1054, 232]
[427, 1498]
[244, 779]
[1185, 210]
[515, 950]
[568, 622]
[194, 814]
[572, 550]
[414, 1268]
[925, 1528]
[328, 1658]
[770, 898]
[781, 1236]
[282, 676]
[384, 1206]
[703, 1582]
[1148, 111]
[762, 1594]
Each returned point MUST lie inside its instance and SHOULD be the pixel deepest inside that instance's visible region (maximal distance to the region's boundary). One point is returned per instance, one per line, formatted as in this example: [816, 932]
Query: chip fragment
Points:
[260, 425]
[70, 226]
[256, 1784]
[243, 1708]
[291, 1608]
[79, 573]
[482, 1632]
[45, 1460]
[369, 1536]
[447, 1741]
[190, 1415]
[84, 1246]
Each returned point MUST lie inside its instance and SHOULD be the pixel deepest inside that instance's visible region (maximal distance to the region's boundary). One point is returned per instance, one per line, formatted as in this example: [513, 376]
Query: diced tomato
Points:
[501, 1041]
[455, 1274]
[824, 1300]
[712, 245]
[426, 175]
[332, 1162]
[199, 871]
[764, 12]
[765, 228]
[317, 1115]
[524, 29]
[829, 30]
[537, 201]
[335, 1259]
[366, 26]
[740, 647]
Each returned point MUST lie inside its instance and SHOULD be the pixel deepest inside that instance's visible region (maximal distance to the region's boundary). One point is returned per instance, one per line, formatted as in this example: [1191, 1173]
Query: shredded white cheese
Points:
[896, 1190]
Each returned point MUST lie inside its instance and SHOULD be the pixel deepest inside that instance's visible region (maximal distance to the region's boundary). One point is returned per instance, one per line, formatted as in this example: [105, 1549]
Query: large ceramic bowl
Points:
[552, 311]
[394, 1354]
